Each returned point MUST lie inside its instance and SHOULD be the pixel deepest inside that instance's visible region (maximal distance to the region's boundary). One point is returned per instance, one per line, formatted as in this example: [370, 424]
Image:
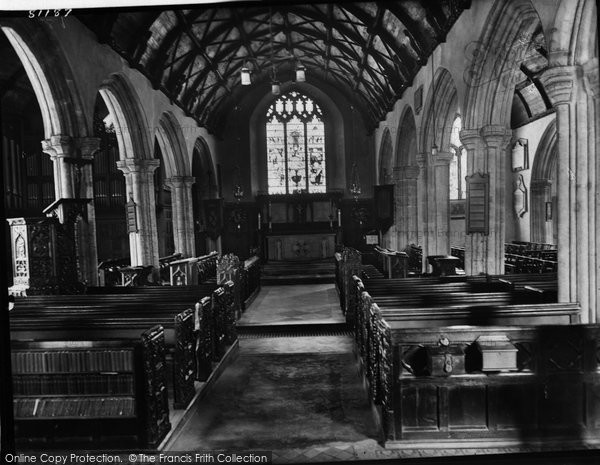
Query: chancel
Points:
[330, 231]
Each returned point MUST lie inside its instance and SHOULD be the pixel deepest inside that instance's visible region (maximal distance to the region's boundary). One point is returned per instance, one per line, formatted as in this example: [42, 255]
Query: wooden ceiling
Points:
[371, 51]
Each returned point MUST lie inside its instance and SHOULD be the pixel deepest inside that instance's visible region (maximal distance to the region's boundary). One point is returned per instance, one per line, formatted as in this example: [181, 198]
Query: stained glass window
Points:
[458, 164]
[295, 145]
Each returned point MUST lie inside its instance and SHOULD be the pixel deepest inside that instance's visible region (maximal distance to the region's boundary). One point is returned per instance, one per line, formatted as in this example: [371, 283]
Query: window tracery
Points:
[295, 145]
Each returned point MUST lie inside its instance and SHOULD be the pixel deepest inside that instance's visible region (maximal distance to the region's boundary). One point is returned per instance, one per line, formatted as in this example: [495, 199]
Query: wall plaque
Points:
[418, 100]
[520, 197]
[132, 225]
[520, 155]
[477, 203]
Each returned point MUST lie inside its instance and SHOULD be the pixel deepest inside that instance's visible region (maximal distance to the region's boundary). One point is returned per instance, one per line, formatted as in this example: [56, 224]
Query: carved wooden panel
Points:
[185, 362]
[205, 347]
[155, 369]
[467, 407]
[420, 406]
[524, 412]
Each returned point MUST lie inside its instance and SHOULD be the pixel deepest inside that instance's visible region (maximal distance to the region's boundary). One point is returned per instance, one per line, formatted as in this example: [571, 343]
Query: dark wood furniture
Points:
[100, 393]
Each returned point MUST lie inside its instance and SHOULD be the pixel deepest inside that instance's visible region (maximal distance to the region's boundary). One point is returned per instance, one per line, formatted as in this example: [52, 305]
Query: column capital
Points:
[470, 138]
[540, 184]
[496, 135]
[558, 83]
[442, 158]
[406, 172]
[591, 81]
[423, 159]
[138, 165]
[180, 181]
[88, 146]
[58, 146]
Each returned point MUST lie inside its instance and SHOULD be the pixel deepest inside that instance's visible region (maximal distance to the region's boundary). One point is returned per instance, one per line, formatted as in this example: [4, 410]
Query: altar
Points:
[302, 246]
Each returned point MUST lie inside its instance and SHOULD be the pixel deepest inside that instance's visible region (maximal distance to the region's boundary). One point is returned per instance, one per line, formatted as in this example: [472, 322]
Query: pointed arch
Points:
[494, 62]
[130, 122]
[543, 187]
[386, 157]
[172, 145]
[544, 163]
[446, 107]
[203, 169]
[50, 77]
[406, 141]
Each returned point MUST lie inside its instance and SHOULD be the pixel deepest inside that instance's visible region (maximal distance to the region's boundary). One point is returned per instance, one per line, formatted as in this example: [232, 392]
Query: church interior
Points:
[302, 232]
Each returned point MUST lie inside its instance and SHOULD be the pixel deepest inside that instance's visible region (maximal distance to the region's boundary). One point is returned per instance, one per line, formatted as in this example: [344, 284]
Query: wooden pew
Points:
[463, 313]
[250, 281]
[189, 271]
[122, 315]
[543, 397]
[392, 264]
[91, 393]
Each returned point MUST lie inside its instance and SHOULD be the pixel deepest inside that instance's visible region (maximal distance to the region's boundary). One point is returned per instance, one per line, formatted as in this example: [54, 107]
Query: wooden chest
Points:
[497, 353]
[446, 360]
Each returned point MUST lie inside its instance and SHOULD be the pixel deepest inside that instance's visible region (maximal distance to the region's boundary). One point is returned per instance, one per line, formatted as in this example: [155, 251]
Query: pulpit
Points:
[45, 250]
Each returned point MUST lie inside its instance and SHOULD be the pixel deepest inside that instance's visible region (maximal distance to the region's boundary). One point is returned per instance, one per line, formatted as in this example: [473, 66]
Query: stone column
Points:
[486, 153]
[541, 192]
[139, 181]
[183, 214]
[59, 148]
[577, 184]
[436, 203]
[591, 82]
[406, 210]
[72, 159]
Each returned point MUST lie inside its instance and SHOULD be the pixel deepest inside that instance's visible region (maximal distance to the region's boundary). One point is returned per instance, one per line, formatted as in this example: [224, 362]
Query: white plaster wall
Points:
[519, 228]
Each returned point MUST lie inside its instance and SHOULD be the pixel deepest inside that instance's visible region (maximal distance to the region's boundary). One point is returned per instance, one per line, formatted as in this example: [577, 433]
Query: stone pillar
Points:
[61, 148]
[72, 159]
[541, 192]
[406, 210]
[574, 96]
[486, 153]
[183, 214]
[436, 204]
[591, 82]
[139, 181]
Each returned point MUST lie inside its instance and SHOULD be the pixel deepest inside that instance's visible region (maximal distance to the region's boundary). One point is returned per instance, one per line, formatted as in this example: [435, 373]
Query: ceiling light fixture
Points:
[245, 76]
[300, 73]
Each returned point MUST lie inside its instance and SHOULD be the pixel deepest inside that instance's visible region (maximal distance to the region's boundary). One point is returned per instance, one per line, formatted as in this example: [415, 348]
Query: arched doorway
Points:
[164, 206]
[205, 188]
[544, 192]
[109, 190]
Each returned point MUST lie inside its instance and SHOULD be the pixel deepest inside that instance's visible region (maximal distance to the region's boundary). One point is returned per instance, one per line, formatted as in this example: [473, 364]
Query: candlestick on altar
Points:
[259, 221]
[339, 218]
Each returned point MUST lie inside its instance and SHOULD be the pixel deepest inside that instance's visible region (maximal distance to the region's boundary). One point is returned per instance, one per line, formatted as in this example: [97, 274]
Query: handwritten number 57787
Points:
[46, 13]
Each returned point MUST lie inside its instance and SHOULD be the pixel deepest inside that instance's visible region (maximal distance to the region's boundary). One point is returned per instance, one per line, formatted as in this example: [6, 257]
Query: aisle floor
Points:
[294, 304]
